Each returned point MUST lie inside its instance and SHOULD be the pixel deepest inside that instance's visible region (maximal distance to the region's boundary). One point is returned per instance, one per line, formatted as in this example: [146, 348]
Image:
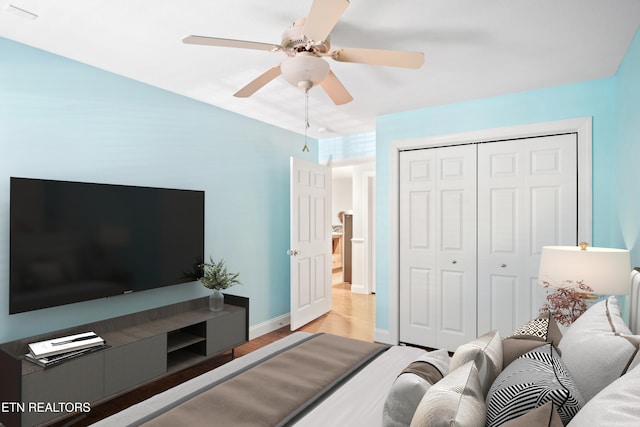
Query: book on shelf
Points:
[49, 361]
[63, 345]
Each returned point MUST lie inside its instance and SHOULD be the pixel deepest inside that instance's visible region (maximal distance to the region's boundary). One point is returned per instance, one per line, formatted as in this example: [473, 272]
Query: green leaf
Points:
[217, 276]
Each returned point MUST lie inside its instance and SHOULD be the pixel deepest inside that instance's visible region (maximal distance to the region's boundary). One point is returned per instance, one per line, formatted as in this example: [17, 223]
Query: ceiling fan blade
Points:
[258, 83]
[323, 16]
[391, 58]
[215, 41]
[335, 89]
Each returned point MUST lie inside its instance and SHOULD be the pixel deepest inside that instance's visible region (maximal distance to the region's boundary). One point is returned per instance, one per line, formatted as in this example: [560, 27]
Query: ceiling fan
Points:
[305, 43]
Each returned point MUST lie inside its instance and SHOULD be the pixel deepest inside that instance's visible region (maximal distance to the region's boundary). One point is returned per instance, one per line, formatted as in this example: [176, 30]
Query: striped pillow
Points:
[532, 380]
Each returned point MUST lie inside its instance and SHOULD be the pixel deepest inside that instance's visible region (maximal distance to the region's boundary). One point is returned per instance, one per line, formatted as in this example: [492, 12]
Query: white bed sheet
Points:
[360, 401]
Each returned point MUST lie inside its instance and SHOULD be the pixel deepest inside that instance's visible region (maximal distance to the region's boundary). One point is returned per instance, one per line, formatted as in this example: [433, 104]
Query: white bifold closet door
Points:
[527, 199]
[473, 220]
[438, 246]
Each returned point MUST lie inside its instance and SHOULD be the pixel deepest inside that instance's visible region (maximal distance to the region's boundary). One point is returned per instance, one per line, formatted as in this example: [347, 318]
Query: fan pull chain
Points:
[306, 119]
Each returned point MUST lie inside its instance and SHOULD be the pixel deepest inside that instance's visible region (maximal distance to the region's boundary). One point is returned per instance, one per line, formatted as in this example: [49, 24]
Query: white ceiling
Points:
[473, 49]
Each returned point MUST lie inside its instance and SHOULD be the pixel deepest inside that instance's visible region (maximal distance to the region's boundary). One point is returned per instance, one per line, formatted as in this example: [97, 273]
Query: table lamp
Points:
[579, 274]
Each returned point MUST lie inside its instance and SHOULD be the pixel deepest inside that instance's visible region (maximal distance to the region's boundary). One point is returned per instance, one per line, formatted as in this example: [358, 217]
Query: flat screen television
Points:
[75, 241]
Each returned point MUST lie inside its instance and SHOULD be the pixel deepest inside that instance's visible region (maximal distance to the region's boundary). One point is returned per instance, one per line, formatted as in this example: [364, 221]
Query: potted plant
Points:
[216, 276]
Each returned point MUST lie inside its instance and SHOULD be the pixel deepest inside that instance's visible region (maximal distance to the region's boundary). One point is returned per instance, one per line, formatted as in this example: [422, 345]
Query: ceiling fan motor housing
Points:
[294, 41]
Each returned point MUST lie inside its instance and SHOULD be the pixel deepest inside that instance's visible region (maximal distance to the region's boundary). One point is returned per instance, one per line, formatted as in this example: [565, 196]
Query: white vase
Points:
[216, 300]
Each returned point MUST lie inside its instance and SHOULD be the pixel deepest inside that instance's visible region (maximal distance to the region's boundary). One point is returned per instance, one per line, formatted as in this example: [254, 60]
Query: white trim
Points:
[349, 161]
[359, 289]
[270, 325]
[358, 262]
[582, 126]
[384, 336]
[369, 230]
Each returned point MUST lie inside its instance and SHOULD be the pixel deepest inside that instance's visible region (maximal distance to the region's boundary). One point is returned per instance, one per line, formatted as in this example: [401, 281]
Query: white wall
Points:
[341, 191]
[361, 280]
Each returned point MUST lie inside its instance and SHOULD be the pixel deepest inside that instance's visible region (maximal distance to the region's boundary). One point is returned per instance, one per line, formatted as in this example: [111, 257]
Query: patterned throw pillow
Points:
[532, 380]
[537, 328]
[533, 334]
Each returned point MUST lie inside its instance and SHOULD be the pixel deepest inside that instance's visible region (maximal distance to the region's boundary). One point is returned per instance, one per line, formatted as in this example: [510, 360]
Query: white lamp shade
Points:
[304, 67]
[604, 270]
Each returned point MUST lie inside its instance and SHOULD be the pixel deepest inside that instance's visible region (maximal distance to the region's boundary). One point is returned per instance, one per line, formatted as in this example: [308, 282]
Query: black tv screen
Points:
[73, 241]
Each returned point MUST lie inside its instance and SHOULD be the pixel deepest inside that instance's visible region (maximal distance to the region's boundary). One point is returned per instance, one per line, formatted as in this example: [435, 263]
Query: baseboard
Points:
[358, 289]
[383, 336]
[271, 325]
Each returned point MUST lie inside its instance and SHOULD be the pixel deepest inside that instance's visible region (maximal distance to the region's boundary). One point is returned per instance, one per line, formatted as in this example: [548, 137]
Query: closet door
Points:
[527, 198]
[438, 246]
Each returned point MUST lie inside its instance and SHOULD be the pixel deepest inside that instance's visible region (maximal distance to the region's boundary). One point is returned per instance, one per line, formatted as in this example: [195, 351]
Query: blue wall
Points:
[611, 102]
[60, 119]
[347, 148]
[627, 151]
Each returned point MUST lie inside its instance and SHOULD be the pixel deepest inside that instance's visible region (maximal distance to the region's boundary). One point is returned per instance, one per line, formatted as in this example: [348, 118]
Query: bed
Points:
[371, 386]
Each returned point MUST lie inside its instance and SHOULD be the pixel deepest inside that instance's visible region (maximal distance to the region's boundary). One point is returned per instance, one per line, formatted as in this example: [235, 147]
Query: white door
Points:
[527, 198]
[310, 250]
[438, 246]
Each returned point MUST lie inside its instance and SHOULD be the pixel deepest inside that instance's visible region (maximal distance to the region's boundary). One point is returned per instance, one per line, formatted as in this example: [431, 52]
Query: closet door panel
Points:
[552, 206]
[420, 206]
[452, 214]
[546, 216]
[421, 295]
[438, 247]
[527, 198]
[453, 320]
[503, 293]
[456, 286]
[504, 220]
[417, 247]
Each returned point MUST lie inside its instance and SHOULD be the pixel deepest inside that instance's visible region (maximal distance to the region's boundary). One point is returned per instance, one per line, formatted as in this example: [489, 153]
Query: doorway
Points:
[353, 240]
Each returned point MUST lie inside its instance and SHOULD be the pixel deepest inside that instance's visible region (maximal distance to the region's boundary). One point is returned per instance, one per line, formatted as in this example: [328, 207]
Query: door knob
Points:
[293, 252]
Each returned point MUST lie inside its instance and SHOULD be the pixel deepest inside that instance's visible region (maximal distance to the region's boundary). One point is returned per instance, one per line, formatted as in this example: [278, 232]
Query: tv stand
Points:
[143, 347]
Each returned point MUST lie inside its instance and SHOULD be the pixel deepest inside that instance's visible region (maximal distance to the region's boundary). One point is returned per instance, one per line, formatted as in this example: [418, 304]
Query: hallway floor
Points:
[353, 315]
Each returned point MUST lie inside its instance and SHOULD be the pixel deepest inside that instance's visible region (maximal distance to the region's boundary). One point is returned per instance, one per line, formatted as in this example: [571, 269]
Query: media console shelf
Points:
[143, 347]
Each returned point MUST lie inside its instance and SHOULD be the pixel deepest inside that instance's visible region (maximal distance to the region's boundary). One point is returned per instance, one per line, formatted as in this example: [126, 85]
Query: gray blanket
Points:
[275, 391]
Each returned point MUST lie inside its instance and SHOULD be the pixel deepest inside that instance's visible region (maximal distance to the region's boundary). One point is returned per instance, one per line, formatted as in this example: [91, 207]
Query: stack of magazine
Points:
[57, 350]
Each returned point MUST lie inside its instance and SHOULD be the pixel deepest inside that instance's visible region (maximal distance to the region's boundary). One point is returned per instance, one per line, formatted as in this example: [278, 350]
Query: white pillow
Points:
[486, 352]
[411, 385]
[598, 347]
[455, 400]
[617, 405]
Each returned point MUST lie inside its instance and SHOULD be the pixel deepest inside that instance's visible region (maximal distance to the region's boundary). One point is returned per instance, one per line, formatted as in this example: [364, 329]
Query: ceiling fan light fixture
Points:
[303, 68]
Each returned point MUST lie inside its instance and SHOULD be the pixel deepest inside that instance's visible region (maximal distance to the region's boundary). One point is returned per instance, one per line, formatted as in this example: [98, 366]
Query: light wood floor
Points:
[352, 316]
